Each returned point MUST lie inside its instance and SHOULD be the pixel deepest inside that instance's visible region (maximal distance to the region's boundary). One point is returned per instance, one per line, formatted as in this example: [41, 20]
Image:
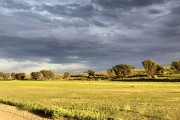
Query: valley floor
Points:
[95, 100]
[12, 113]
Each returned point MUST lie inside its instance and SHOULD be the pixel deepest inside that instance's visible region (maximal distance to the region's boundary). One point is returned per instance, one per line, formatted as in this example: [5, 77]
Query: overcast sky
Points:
[76, 35]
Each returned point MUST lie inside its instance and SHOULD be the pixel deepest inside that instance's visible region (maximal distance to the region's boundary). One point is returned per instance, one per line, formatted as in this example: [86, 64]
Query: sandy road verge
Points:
[12, 113]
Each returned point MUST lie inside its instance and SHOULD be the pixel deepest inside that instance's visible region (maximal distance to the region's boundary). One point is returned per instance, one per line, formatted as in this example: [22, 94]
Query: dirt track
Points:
[12, 113]
[9, 116]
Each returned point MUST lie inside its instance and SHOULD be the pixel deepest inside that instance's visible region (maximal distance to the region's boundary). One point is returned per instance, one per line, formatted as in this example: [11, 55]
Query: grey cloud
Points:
[168, 25]
[176, 10]
[100, 33]
[13, 4]
[47, 48]
[59, 50]
[155, 11]
[99, 23]
[69, 10]
[31, 15]
[169, 32]
[125, 4]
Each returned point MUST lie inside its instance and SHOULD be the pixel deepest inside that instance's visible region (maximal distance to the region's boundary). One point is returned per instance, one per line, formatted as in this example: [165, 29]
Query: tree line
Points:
[152, 70]
[43, 74]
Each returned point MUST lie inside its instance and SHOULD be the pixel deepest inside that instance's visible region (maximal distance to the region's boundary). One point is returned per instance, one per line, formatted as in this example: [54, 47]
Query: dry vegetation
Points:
[95, 100]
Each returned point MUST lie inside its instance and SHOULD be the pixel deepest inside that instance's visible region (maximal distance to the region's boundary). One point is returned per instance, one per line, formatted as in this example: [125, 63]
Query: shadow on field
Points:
[42, 113]
[147, 80]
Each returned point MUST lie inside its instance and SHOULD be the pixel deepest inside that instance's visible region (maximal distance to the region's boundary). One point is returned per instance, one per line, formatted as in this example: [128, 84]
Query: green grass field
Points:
[95, 99]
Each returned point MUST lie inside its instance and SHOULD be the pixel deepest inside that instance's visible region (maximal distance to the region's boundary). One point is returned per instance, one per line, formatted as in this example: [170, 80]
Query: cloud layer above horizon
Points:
[76, 35]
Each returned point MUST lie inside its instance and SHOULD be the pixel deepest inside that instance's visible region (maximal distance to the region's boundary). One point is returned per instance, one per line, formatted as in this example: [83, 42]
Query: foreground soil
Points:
[12, 113]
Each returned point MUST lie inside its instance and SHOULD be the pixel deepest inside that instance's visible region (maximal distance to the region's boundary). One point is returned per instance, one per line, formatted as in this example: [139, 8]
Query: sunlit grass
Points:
[96, 100]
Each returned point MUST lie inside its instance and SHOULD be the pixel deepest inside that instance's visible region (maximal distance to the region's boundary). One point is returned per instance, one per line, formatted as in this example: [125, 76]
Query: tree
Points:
[122, 70]
[7, 76]
[160, 69]
[110, 72]
[36, 75]
[66, 75]
[175, 66]
[1, 75]
[47, 74]
[20, 76]
[91, 72]
[152, 68]
[13, 75]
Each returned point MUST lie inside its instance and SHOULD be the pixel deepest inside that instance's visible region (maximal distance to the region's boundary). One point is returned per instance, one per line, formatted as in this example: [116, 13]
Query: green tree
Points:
[13, 75]
[152, 68]
[47, 74]
[1, 75]
[20, 76]
[175, 66]
[91, 72]
[122, 70]
[66, 75]
[110, 72]
[7, 76]
[36, 75]
[160, 69]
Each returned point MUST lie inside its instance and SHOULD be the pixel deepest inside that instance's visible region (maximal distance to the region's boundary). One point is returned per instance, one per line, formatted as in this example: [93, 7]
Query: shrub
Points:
[13, 75]
[110, 73]
[66, 75]
[91, 73]
[160, 69]
[1, 75]
[175, 66]
[20, 76]
[138, 73]
[122, 70]
[7, 76]
[47, 74]
[152, 68]
[57, 77]
[78, 75]
[36, 75]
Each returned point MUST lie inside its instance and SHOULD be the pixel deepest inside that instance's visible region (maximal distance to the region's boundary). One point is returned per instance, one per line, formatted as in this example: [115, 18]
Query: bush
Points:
[20, 76]
[1, 75]
[66, 75]
[122, 70]
[175, 66]
[36, 75]
[110, 72]
[152, 68]
[138, 73]
[47, 74]
[7, 76]
[91, 73]
[78, 75]
[13, 75]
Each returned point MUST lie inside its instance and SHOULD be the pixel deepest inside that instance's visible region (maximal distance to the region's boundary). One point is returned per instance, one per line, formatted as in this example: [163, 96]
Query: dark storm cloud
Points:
[125, 4]
[55, 50]
[47, 48]
[173, 18]
[100, 33]
[169, 26]
[69, 10]
[52, 48]
[155, 11]
[15, 4]
[31, 15]
[99, 23]
[176, 10]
